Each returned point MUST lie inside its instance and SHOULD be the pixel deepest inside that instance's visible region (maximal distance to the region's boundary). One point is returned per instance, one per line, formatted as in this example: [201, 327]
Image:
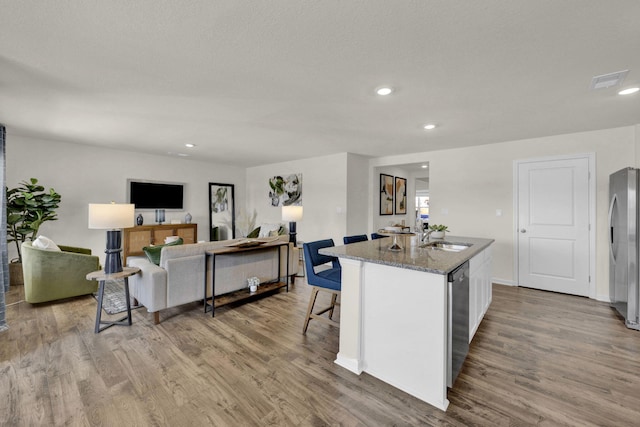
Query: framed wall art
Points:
[285, 190]
[386, 194]
[400, 194]
[222, 212]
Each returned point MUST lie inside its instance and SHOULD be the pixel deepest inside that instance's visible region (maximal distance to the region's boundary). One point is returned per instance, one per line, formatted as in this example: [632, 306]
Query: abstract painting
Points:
[285, 190]
[386, 194]
[400, 196]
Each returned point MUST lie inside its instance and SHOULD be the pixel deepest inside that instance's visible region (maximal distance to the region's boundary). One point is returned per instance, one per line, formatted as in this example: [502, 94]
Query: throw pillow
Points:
[45, 243]
[266, 229]
[153, 252]
[254, 233]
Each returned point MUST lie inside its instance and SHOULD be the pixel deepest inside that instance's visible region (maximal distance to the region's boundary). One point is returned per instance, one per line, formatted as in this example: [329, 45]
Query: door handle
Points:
[612, 205]
[523, 230]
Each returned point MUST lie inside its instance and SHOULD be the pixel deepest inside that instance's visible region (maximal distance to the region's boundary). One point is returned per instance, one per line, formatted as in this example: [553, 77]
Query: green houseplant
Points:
[28, 207]
[438, 230]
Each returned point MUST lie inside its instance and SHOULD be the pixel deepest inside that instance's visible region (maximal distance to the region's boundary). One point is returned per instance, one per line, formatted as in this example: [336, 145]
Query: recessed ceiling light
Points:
[429, 126]
[384, 90]
[629, 91]
[189, 145]
[424, 166]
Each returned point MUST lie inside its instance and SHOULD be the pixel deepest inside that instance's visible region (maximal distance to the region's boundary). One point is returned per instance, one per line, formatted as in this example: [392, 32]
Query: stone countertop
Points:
[412, 256]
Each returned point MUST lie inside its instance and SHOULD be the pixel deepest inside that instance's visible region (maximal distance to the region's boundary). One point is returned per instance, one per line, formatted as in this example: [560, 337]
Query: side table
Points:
[300, 245]
[102, 277]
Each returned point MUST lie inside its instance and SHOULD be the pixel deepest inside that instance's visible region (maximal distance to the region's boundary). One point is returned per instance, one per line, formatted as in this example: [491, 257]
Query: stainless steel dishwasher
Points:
[458, 324]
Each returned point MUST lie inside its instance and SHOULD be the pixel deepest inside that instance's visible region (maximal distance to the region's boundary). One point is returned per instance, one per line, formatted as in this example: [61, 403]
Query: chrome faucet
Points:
[425, 235]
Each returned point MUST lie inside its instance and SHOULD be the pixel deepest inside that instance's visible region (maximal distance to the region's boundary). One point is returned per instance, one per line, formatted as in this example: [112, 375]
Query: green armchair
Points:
[52, 275]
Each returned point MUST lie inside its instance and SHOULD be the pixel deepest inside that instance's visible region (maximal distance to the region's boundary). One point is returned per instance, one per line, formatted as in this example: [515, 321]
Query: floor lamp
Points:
[292, 214]
[112, 217]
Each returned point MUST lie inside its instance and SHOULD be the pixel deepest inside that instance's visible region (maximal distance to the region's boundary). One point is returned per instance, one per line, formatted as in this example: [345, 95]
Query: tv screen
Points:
[155, 195]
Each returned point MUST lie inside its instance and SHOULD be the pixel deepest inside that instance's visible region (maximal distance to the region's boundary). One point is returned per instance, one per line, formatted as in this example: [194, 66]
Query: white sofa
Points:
[179, 279]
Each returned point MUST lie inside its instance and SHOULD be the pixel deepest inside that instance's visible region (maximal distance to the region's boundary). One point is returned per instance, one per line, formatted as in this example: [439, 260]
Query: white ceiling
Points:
[257, 82]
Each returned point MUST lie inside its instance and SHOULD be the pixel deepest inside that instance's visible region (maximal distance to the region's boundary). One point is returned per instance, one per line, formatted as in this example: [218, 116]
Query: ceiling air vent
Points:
[608, 80]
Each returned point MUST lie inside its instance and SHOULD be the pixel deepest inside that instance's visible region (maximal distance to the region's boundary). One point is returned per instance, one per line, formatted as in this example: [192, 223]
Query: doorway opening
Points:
[422, 207]
[421, 185]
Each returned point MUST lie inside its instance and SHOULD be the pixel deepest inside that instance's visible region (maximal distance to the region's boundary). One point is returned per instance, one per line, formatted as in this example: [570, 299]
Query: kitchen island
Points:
[395, 309]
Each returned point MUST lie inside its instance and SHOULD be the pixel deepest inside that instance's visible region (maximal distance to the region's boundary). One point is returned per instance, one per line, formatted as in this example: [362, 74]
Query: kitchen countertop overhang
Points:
[412, 256]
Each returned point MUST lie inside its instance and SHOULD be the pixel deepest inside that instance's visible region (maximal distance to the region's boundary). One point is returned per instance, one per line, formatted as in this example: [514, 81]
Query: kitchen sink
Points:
[447, 246]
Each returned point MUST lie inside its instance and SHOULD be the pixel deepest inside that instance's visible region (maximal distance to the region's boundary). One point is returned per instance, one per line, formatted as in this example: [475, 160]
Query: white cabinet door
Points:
[488, 287]
[475, 292]
[480, 292]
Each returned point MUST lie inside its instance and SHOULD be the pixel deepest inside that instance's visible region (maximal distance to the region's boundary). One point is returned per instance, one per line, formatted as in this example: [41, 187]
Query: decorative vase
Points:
[188, 218]
[139, 219]
[159, 216]
[437, 235]
[253, 283]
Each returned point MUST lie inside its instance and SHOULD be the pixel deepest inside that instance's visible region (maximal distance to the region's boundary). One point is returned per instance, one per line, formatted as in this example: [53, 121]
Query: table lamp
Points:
[292, 214]
[112, 217]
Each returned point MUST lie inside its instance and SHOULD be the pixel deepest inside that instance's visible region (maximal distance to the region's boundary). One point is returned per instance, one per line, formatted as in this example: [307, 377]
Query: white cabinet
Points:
[480, 293]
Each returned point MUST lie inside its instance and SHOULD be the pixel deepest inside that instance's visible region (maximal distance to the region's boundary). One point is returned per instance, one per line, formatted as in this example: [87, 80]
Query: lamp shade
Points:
[291, 213]
[111, 215]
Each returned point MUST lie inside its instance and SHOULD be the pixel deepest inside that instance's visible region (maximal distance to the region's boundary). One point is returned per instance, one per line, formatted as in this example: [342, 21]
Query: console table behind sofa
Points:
[180, 276]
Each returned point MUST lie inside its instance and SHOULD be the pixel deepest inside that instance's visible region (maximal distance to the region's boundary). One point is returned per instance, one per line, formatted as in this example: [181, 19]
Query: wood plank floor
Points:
[538, 359]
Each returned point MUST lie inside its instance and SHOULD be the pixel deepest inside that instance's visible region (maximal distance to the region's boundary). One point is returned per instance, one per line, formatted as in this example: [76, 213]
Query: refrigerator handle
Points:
[614, 200]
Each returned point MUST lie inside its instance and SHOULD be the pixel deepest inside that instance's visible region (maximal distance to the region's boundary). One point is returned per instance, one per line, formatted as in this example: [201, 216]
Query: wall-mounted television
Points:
[155, 195]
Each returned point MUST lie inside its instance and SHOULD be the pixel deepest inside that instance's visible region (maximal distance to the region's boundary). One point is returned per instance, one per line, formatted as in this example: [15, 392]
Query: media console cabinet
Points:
[135, 238]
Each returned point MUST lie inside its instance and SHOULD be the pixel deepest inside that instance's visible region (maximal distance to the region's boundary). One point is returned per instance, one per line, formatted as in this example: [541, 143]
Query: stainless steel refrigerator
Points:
[624, 268]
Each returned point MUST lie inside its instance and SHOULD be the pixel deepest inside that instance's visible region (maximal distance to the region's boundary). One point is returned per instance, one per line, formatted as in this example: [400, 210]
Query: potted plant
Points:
[28, 207]
[438, 230]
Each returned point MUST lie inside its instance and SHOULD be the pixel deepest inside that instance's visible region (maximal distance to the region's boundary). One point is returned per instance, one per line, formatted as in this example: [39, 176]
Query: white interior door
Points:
[553, 225]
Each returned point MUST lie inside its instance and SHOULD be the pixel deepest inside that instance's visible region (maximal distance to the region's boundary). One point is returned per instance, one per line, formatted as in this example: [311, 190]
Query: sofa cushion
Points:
[45, 243]
[153, 252]
[267, 230]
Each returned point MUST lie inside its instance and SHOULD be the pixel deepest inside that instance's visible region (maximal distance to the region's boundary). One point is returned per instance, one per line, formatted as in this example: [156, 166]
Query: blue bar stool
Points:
[354, 239]
[328, 280]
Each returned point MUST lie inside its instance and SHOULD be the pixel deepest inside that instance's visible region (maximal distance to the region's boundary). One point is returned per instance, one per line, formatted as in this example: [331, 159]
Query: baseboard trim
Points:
[505, 282]
[350, 364]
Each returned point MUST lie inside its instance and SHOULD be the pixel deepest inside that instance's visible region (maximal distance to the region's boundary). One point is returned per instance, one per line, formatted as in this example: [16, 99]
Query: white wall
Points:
[83, 174]
[357, 194]
[471, 183]
[324, 195]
